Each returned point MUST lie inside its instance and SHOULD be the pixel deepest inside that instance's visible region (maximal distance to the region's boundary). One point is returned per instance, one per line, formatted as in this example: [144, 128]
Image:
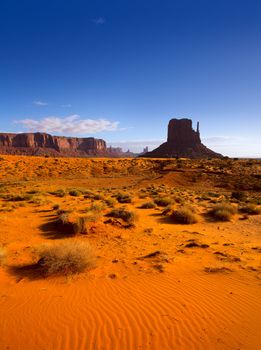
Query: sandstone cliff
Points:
[182, 141]
[45, 144]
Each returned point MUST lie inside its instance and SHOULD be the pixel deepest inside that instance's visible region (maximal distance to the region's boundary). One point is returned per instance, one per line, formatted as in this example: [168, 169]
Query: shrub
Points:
[222, 211]
[74, 193]
[123, 198]
[250, 209]
[122, 213]
[239, 195]
[58, 193]
[163, 201]
[80, 226]
[111, 202]
[148, 205]
[183, 216]
[66, 258]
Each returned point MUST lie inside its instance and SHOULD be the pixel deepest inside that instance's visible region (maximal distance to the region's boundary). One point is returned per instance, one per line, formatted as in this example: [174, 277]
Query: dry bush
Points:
[184, 215]
[75, 193]
[123, 198]
[163, 201]
[148, 205]
[110, 202]
[58, 193]
[239, 195]
[82, 223]
[121, 213]
[222, 211]
[66, 258]
[250, 209]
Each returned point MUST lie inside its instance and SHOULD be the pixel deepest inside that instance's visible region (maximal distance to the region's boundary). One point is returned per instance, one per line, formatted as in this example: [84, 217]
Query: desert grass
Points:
[66, 258]
[121, 213]
[183, 215]
[148, 205]
[163, 201]
[250, 209]
[222, 211]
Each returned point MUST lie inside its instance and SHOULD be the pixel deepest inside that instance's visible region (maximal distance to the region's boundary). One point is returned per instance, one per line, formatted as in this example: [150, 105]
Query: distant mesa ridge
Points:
[182, 141]
[45, 144]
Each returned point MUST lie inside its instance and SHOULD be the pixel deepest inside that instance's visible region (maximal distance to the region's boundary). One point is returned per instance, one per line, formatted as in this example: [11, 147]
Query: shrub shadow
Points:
[31, 271]
[53, 229]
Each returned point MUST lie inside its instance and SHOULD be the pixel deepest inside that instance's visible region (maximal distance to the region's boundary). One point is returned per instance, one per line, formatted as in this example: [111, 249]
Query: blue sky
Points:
[120, 69]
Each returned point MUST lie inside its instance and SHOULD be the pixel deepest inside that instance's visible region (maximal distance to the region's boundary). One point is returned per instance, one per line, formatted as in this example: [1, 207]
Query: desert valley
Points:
[143, 253]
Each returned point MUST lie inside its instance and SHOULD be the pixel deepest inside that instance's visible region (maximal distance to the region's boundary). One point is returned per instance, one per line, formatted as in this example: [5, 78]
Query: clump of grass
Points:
[163, 201]
[110, 202]
[123, 198]
[80, 226]
[184, 215]
[148, 205]
[74, 193]
[124, 214]
[239, 195]
[18, 198]
[66, 258]
[58, 193]
[222, 211]
[250, 209]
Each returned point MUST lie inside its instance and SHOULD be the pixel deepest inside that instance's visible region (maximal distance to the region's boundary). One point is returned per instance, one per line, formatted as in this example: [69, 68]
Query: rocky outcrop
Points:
[45, 144]
[182, 141]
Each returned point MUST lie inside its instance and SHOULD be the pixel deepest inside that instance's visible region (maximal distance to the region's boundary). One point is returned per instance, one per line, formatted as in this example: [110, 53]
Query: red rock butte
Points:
[182, 141]
[45, 144]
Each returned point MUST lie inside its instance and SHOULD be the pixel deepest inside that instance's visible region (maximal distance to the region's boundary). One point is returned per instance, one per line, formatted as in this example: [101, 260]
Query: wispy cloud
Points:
[40, 103]
[68, 105]
[72, 124]
[98, 20]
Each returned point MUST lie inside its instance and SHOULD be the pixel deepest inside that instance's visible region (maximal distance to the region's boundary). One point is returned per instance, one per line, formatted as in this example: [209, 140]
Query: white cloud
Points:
[98, 20]
[68, 125]
[40, 103]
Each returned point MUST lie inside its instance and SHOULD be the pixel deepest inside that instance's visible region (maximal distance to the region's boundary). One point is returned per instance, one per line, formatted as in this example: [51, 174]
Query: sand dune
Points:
[174, 310]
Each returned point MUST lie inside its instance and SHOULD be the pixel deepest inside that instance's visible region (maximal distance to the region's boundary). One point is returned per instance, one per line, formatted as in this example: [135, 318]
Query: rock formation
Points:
[182, 141]
[45, 144]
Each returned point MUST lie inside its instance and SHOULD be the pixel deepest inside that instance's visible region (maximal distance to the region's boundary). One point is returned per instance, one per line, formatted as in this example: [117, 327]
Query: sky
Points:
[121, 69]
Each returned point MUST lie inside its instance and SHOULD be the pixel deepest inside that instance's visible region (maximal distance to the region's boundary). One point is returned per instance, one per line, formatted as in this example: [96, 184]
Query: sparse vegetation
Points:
[148, 205]
[124, 214]
[183, 215]
[163, 201]
[66, 258]
[222, 211]
[250, 209]
[123, 198]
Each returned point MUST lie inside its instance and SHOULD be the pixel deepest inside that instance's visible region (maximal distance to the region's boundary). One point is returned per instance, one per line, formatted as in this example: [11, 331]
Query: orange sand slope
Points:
[200, 289]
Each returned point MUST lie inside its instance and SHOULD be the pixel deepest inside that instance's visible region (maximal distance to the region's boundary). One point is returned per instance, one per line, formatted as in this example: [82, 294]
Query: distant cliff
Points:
[182, 141]
[45, 144]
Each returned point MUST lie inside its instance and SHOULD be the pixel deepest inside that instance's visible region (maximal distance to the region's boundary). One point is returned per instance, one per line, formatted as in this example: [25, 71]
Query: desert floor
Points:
[199, 289]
